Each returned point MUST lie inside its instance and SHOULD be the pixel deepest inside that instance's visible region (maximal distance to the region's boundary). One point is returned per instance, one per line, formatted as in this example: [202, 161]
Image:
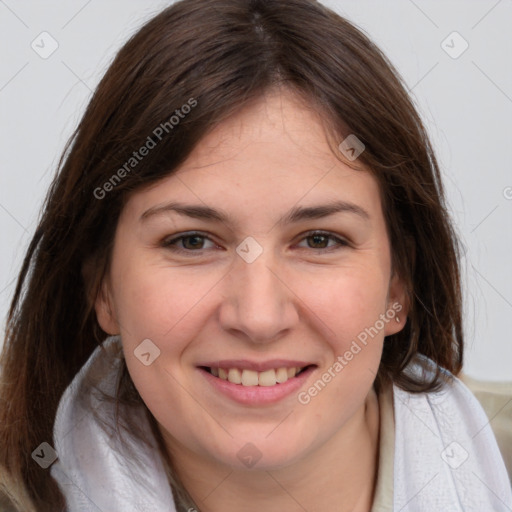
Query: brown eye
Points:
[320, 241]
[192, 242]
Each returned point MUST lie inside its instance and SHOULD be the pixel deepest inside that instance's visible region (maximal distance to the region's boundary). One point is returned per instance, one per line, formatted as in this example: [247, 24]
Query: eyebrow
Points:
[296, 214]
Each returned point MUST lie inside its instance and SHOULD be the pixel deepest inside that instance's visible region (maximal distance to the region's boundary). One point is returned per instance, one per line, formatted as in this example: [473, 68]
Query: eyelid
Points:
[169, 243]
[342, 242]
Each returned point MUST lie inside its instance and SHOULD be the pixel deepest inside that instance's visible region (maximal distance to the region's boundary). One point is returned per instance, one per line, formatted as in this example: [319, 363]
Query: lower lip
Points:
[257, 395]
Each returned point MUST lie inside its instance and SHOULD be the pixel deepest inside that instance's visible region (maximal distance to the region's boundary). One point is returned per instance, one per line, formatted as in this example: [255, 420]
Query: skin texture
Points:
[301, 299]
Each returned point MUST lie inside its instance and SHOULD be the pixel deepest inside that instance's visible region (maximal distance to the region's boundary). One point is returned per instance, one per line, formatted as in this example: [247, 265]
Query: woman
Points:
[244, 290]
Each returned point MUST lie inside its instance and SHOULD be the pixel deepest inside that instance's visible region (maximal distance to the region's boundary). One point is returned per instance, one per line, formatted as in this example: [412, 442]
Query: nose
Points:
[258, 304]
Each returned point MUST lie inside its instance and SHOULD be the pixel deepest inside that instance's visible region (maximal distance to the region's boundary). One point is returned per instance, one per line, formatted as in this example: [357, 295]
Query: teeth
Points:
[249, 378]
[252, 378]
[235, 376]
[267, 378]
[282, 375]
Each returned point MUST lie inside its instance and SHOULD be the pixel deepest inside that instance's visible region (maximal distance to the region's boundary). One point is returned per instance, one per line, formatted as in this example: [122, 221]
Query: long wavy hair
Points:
[223, 54]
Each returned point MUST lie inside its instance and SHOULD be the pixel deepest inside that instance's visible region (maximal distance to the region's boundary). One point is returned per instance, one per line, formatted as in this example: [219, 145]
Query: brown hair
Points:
[222, 54]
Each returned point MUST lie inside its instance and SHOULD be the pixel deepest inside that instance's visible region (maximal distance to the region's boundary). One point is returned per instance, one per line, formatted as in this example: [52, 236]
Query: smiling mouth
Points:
[267, 378]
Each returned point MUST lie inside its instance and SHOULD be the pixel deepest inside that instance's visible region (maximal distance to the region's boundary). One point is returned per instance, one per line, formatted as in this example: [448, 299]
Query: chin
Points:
[260, 453]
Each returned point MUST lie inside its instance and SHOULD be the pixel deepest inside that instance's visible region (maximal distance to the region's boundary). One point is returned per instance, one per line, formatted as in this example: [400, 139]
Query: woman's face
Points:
[250, 291]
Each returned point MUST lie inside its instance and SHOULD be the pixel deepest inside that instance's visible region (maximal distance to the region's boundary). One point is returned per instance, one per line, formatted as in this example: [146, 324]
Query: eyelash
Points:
[171, 243]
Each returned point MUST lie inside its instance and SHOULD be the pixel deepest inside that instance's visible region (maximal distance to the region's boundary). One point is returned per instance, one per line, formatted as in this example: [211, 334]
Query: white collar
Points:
[434, 432]
[446, 455]
[93, 469]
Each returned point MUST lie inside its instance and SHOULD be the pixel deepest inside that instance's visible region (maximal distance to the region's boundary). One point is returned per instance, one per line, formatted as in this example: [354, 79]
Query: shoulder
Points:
[453, 392]
[453, 408]
[444, 438]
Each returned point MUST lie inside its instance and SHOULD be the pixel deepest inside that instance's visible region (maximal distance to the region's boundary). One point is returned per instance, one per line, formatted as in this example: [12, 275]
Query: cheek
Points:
[345, 301]
[160, 301]
[349, 309]
[348, 305]
[166, 394]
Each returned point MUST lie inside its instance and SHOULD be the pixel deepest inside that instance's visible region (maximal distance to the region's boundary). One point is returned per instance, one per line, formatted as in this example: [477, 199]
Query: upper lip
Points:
[258, 366]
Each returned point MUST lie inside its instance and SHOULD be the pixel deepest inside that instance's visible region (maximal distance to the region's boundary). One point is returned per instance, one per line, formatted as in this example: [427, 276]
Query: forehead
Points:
[269, 156]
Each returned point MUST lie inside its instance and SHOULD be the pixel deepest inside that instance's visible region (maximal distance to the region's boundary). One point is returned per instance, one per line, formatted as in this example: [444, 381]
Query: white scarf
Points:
[446, 457]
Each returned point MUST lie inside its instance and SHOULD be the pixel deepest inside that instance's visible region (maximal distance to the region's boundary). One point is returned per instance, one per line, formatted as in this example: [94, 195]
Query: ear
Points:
[397, 307]
[103, 306]
[98, 289]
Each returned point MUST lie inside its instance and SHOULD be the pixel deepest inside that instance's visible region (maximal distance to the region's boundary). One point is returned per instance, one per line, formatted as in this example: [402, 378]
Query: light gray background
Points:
[466, 103]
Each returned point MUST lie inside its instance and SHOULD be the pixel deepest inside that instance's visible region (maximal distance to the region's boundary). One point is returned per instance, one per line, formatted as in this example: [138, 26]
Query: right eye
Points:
[190, 242]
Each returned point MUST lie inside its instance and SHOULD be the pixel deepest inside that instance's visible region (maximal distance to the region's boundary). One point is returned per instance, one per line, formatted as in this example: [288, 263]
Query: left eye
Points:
[321, 238]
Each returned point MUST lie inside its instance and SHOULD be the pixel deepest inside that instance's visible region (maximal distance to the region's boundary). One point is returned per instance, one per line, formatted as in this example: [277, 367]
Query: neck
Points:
[338, 476]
